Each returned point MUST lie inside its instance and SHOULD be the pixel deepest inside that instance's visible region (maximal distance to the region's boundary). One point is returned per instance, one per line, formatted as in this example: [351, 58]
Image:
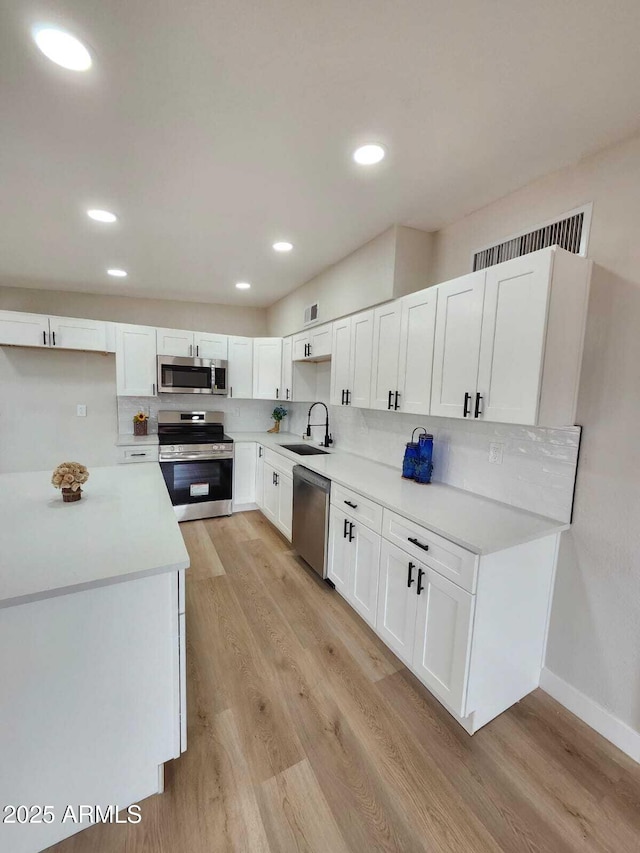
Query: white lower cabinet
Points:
[278, 499]
[244, 474]
[397, 601]
[354, 557]
[259, 475]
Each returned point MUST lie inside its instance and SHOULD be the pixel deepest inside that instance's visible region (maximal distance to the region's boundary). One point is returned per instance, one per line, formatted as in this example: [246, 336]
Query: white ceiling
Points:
[214, 128]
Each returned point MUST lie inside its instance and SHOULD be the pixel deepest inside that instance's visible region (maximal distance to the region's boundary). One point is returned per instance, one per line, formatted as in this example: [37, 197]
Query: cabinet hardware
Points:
[348, 397]
[351, 525]
[44, 341]
[259, 452]
[421, 574]
[198, 351]
[396, 405]
[309, 352]
[53, 335]
[273, 477]
[277, 393]
[477, 409]
[417, 543]
[410, 578]
[342, 403]
[353, 506]
[153, 390]
[138, 454]
[390, 396]
[231, 391]
[467, 402]
[287, 393]
[277, 479]
[345, 531]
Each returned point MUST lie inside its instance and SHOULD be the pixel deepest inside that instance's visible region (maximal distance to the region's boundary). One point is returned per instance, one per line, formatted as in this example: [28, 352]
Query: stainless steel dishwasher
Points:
[311, 517]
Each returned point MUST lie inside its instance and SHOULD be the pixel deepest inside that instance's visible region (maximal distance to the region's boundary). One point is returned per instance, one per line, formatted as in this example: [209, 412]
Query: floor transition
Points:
[306, 734]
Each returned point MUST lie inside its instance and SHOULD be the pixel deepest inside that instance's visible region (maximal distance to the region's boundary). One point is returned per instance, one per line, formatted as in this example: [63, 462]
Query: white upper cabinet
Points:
[457, 345]
[340, 361]
[313, 344]
[211, 346]
[40, 330]
[417, 331]
[240, 367]
[386, 351]
[359, 388]
[267, 368]
[175, 342]
[135, 360]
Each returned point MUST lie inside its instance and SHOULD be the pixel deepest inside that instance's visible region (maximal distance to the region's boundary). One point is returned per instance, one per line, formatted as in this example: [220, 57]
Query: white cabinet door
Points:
[244, 473]
[341, 553]
[267, 368]
[176, 342]
[300, 346]
[72, 333]
[513, 336]
[386, 348]
[270, 494]
[260, 475]
[397, 601]
[365, 571]
[340, 361]
[135, 360]
[210, 346]
[443, 638]
[417, 330]
[24, 330]
[457, 345]
[285, 503]
[240, 368]
[320, 342]
[286, 383]
[359, 388]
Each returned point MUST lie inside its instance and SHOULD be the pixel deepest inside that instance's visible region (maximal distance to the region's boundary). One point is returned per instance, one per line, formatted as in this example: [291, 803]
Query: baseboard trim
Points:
[245, 507]
[593, 714]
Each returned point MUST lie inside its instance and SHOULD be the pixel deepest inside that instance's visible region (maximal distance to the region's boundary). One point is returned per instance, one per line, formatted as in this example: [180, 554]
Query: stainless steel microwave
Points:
[191, 375]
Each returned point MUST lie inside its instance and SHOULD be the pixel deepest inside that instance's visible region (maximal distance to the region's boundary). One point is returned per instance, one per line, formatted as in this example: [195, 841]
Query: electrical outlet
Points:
[495, 452]
[81, 410]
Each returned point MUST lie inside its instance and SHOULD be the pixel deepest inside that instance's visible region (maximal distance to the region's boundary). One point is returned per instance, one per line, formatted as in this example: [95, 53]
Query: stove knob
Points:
[171, 447]
[179, 448]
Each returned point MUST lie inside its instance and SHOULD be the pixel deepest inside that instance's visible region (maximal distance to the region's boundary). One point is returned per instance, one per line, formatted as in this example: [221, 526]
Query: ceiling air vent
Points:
[311, 314]
[570, 232]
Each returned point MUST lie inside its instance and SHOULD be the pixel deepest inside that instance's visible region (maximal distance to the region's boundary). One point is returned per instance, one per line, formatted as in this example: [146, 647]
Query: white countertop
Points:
[479, 524]
[130, 440]
[123, 528]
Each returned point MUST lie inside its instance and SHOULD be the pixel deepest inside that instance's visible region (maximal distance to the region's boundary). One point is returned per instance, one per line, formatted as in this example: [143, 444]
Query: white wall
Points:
[594, 641]
[39, 391]
[200, 317]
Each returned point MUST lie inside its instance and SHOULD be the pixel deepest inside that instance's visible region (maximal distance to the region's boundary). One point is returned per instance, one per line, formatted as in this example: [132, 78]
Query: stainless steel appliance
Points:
[191, 375]
[311, 494]
[196, 459]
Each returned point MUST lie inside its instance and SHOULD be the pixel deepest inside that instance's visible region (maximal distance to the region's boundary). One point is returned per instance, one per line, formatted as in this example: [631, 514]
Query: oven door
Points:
[199, 488]
[185, 375]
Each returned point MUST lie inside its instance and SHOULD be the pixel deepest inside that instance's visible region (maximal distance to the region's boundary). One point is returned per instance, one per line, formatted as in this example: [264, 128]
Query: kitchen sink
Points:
[303, 449]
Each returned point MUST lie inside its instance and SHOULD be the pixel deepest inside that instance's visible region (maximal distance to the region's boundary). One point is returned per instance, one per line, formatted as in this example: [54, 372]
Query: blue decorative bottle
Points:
[412, 455]
[424, 463]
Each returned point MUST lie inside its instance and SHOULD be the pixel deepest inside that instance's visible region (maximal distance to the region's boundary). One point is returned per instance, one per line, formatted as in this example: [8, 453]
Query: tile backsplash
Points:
[245, 415]
[538, 467]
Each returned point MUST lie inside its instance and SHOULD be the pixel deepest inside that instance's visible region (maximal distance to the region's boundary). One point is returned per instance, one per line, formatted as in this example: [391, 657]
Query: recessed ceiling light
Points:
[102, 215]
[243, 285]
[62, 48]
[117, 273]
[368, 155]
[283, 246]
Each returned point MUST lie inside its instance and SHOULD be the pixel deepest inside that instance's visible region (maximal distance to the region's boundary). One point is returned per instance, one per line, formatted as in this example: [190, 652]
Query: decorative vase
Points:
[275, 427]
[140, 427]
[69, 496]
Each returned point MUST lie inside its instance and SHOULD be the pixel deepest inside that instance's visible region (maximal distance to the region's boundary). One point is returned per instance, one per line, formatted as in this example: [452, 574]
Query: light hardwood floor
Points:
[307, 734]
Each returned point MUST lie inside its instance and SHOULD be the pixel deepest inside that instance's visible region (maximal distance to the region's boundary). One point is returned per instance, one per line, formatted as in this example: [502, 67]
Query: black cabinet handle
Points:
[53, 334]
[44, 338]
[348, 397]
[342, 403]
[138, 454]
[418, 543]
[277, 479]
[467, 403]
[410, 578]
[345, 531]
[231, 391]
[421, 574]
[287, 393]
[477, 409]
[277, 393]
[389, 402]
[396, 405]
[351, 531]
[259, 453]
[353, 506]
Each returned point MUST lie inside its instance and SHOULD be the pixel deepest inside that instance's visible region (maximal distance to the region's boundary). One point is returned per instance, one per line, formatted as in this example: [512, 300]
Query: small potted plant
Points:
[140, 423]
[278, 414]
[70, 477]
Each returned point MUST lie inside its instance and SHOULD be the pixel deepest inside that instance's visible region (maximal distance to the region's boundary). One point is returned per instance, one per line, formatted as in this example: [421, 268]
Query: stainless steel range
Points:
[196, 459]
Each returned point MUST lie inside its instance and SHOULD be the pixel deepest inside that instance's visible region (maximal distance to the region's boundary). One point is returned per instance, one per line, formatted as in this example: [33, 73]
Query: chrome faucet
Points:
[328, 439]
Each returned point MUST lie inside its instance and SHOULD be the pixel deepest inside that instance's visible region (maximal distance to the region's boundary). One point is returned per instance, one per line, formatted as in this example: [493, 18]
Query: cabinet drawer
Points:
[450, 560]
[138, 453]
[366, 511]
[279, 462]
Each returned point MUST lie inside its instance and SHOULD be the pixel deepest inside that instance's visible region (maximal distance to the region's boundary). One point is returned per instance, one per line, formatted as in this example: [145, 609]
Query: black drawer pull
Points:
[466, 409]
[421, 574]
[353, 506]
[418, 543]
[390, 398]
[410, 578]
[348, 397]
[342, 403]
[477, 412]
[396, 405]
[137, 454]
[345, 531]
[351, 537]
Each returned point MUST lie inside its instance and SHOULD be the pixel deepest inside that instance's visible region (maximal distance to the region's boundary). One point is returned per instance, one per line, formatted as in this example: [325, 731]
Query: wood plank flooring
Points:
[307, 734]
